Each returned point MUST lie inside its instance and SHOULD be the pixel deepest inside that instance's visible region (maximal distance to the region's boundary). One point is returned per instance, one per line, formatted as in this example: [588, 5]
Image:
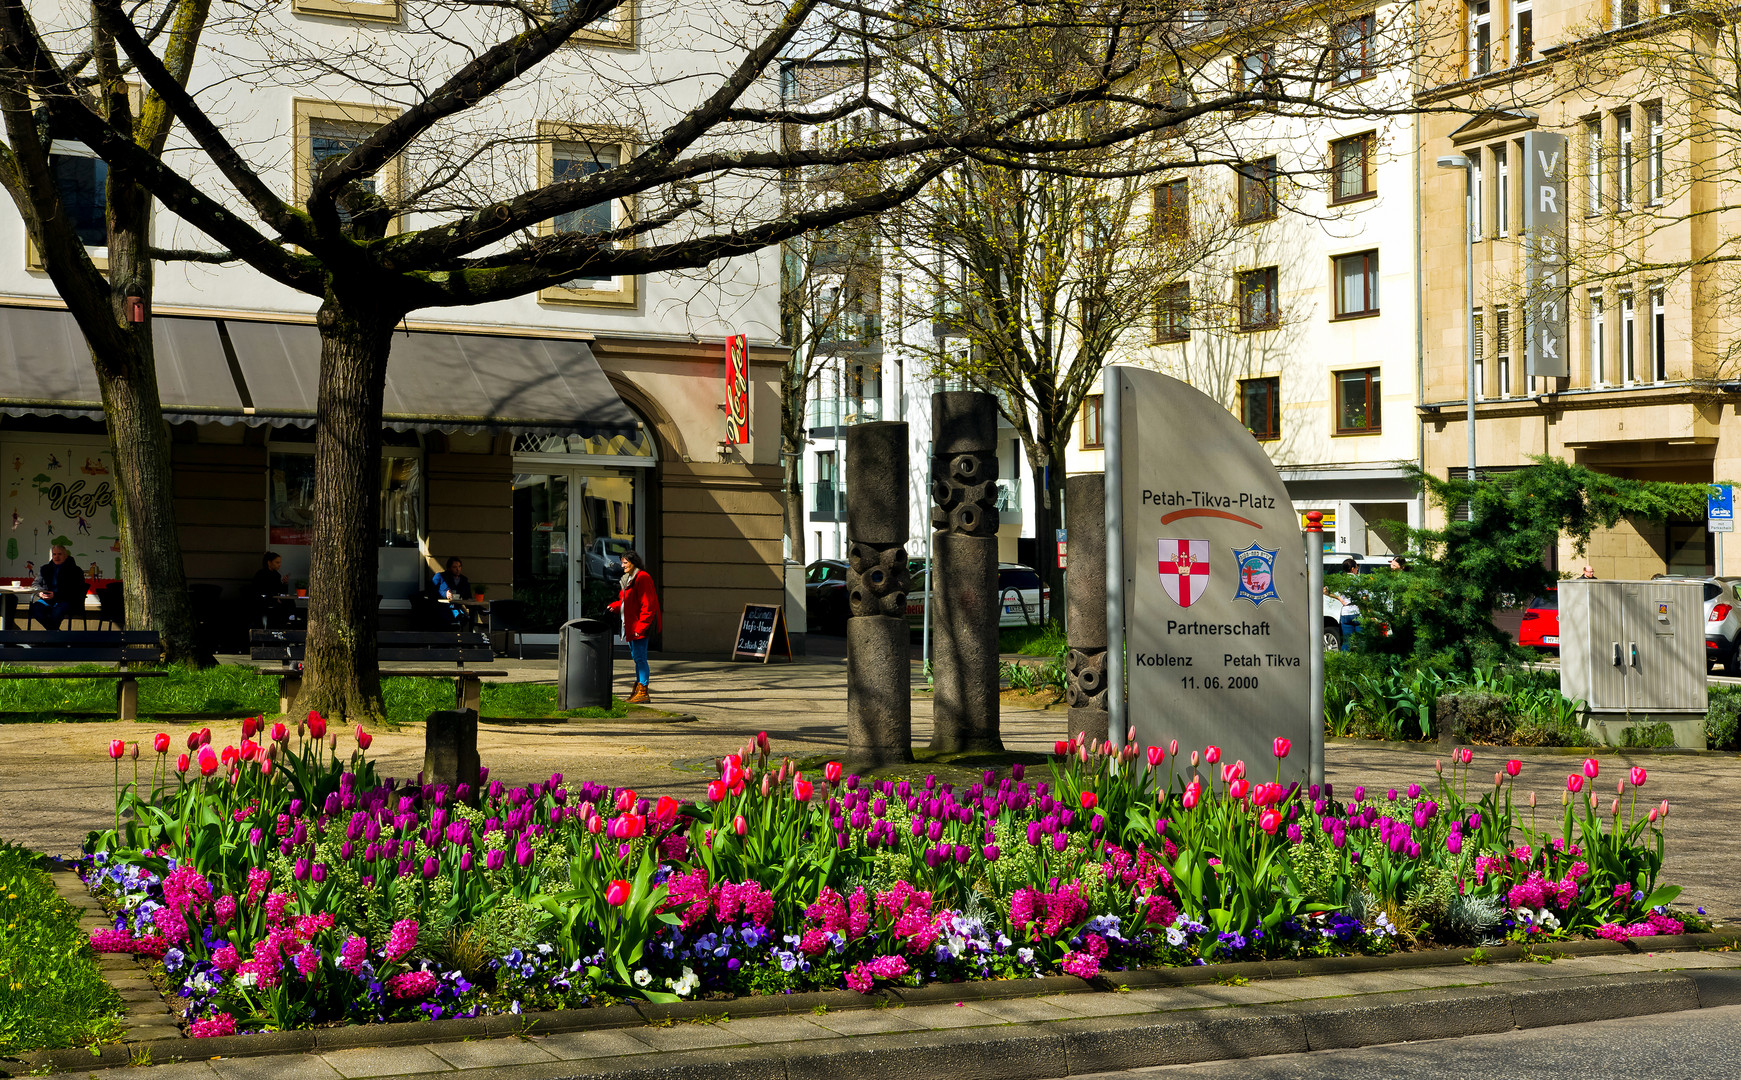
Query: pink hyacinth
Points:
[221, 1024]
[401, 940]
[352, 953]
[226, 958]
[112, 940]
[308, 962]
[881, 967]
[412, 984]
[224, 910]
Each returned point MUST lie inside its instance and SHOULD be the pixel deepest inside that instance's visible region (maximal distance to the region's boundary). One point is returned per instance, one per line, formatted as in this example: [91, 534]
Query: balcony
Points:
[1009, 500]
[827, 501]
[822, 415]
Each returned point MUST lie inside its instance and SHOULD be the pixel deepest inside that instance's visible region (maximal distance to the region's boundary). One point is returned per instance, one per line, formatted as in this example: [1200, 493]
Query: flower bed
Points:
[282, 885]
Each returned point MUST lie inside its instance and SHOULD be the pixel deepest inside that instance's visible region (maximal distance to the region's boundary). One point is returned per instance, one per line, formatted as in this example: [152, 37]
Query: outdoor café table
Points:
[27, 594]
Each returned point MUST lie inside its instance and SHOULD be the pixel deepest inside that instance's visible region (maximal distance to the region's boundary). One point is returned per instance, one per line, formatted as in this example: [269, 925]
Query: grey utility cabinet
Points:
[1633, 646]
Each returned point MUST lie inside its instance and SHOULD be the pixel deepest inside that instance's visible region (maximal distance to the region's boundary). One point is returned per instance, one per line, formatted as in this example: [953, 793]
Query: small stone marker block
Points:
[450, 748]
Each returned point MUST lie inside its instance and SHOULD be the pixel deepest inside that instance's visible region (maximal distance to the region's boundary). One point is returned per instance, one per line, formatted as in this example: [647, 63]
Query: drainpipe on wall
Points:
[1420, 315]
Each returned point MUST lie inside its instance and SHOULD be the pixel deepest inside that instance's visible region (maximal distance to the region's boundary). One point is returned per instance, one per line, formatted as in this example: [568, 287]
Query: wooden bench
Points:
[118, 647]
[452, 650]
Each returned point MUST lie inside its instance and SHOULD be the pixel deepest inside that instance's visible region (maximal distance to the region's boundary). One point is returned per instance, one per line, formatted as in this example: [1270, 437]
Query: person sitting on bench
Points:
[453, 586]
[60, 591]
[269, 593]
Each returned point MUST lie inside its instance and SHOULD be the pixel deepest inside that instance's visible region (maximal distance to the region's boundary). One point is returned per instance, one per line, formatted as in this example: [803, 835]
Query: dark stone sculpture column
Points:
[963, 585]
[1085, 589]
[879, 675]
[450, 749]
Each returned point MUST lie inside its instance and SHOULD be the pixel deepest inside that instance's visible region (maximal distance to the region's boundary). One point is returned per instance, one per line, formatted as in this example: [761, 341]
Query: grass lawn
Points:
[235, 690]
[51, 994]
[1046, 640]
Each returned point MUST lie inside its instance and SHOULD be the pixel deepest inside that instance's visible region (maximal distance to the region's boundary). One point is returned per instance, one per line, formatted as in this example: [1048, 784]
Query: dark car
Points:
[825, 596]
[1540, 628]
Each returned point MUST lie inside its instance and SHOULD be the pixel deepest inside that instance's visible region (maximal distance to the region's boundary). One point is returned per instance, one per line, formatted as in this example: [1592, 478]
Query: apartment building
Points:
[1649, 392]
[535, 438]
[1302, 317]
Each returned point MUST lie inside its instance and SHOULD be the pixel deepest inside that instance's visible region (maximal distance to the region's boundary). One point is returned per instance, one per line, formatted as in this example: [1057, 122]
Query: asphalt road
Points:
[1702, 1044]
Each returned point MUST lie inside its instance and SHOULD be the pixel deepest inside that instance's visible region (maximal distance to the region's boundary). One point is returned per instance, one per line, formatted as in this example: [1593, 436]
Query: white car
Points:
[1722, 620]
[1020, 595]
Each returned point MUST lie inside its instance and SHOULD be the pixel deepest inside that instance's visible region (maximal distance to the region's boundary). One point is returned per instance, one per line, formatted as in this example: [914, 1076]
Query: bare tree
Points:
[101, 298]
[433, 207]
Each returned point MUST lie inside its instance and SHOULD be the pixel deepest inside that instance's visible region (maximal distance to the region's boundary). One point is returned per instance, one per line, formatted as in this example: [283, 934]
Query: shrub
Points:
[1476, 715]
[1723, 719]
[1655, 735]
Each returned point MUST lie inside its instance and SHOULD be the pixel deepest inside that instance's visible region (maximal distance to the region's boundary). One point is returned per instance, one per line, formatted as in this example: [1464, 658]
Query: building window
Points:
[1257, 299]
[1257, 190]
[1598, 340]
[1477, 330]
[1653, 168]
[1593, 163]
[1480, 37]
[1354, 48]
[1628, 339]
[615, 28]
[1501, 192]
[1351, 173]
[1623, 158]
[1625, 12]
[1172, 214]
[1357, 404]
[574, 153]
[1260, 406]
[1173, 313]
[1094, 422]
[1502, 349]
[328, 130]
[1658, 337]
[1522, 32]
[81, 178]
[1356, 284]
[1477, 183]
[1256, 73]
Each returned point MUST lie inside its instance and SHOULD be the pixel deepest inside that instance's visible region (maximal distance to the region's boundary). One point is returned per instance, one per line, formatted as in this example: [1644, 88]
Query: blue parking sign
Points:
[1720, 509]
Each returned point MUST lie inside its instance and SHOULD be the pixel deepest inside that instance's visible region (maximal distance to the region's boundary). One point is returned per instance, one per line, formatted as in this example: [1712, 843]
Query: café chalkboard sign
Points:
[761, 631]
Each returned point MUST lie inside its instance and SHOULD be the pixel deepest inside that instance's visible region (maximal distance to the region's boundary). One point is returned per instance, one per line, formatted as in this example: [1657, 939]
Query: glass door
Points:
[571, 528]
[543, 582]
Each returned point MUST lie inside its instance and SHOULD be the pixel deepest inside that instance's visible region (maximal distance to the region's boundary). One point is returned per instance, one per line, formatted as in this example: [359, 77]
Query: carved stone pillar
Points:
[879, 675]
[1085, 591]
[965, 607]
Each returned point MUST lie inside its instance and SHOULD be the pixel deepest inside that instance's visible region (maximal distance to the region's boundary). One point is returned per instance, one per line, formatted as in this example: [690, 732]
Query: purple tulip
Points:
[493, 859]
[1359, 794]
[465, 861]
[1017, 770]
[319, 873]
[295, 807]
[1454, 843]
[1060, 841]
[523, 852]
[1034, 833]
[299, 835]
[254, 837]
[345, 851]
[301, 870]
[1294, 833]
[935, 832]
[990, 851]
[1096, 824]
[430, 866]
[1414, 791]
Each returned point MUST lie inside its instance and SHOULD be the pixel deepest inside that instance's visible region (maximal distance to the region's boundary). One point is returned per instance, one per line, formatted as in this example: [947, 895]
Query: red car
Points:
[1541, 623]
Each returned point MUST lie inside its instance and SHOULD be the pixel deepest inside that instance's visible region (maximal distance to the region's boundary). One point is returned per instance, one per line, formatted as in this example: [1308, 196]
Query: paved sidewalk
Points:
[1059, 1035]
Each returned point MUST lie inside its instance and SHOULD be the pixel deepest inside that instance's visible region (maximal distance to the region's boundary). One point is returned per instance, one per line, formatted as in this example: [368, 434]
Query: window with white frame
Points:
[1522, 32]
[1658, 336]
[1480, 37]
[1598, 339]
[1478, 327]
[1624, 12]
[1653, 161]
[573, 153]
[1502, 349]
[1623, 158]
[1477, 180]
[1628, 340]
[1593, 164]
[1501, 192]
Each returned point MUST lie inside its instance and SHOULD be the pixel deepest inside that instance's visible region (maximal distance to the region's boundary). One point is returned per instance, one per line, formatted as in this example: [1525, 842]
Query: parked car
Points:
[825, 596]
[1722, 619]
[1340, 615]
[1540, 627]
[604, 559]
[1021, 594]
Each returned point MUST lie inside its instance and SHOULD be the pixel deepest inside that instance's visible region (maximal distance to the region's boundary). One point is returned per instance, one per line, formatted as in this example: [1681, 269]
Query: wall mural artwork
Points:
[58, 492]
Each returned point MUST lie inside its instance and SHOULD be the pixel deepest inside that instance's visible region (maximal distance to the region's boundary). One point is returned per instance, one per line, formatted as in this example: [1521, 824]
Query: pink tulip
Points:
[801, 788]
[617, 893]
[1173, 748]
[1280, 748]
[716, 791]
[117, 747]
[767, 784]
[1513, 767]
[208, 761]
[625, 800]
[1532, 800]
[1269, 821]
[1638, 776]
[1591, 768]
[1652, 815]
[1614, 808]
[1212, 754]
[181, 763]
[161, 742]
[1193, 792]
[1156, 755]
[739, 825]
[1665, 808]
[1574, 783]
[1193, 759]
[831, 772]
[280, 733]
[1237, 789]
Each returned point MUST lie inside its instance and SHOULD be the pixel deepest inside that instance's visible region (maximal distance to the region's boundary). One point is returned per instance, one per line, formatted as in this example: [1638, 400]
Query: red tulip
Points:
[665, 811]
[1281, 747]
[117, 747]
[762, 741]
[208, 761]
[1238, 788]
[801, 788]
[1574, 783]
[160, 741]
[280, 733]
[739, 825]
[1193, 792]
[1212, 754]
[1591, 768]
[316, 725]
[205, 736]
[716, 791]
[250, 724]
[1269, 821]
[1088, 800]
[1156, 755]
[617, 893]
[1062, 747]
[625, 800]
[1513, 767]
[1638, 776]
[181, 763]
[831, 772]
[193, 740]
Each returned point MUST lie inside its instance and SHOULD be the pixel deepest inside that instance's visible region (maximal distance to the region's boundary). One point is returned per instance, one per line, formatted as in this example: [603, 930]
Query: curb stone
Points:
[1569, 999]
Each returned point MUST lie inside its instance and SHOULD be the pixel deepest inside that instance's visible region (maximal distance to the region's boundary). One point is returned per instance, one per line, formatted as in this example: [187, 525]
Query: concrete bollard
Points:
[450, 749]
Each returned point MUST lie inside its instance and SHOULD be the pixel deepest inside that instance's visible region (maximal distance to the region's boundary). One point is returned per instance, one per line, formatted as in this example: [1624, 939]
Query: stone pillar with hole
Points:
[879, 675]
[1085, 599]
[962, 589]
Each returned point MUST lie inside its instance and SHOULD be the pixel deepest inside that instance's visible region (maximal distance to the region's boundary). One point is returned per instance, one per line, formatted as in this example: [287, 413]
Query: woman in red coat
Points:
[639, 605]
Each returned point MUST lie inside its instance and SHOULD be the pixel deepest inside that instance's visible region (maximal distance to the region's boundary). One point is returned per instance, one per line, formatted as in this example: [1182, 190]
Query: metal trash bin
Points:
[583, 664]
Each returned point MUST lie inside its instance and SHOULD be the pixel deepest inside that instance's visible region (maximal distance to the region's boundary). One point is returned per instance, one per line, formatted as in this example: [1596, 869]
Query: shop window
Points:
[1357, 402]
[574, 153]
[1260, 407]
[1351, 171]
[1258, 308]
[1257, 190]
[1355, 41]
[290, 500]
[1173, 313]
[1094, 422]
[1356, 284]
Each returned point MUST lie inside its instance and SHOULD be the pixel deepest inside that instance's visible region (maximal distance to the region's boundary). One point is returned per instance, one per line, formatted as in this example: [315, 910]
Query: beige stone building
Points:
[1647, 394]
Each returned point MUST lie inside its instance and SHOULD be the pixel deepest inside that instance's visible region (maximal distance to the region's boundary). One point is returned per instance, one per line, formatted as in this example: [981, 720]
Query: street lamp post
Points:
[1459, 161]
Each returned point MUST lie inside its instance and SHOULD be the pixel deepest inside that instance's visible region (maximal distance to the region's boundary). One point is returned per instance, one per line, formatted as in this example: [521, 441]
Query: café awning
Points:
[254, 372]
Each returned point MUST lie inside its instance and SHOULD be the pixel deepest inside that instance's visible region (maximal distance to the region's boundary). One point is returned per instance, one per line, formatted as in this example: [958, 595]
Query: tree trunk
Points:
[341, 678]
[154, 578]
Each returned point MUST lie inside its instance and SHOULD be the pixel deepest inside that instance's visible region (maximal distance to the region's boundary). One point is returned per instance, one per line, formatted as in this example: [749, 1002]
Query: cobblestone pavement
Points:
[55, 779]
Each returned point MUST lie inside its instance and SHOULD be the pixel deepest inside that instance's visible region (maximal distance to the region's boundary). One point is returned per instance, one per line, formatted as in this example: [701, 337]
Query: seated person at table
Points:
[60, 591]
[268, 593]
[451, 584]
